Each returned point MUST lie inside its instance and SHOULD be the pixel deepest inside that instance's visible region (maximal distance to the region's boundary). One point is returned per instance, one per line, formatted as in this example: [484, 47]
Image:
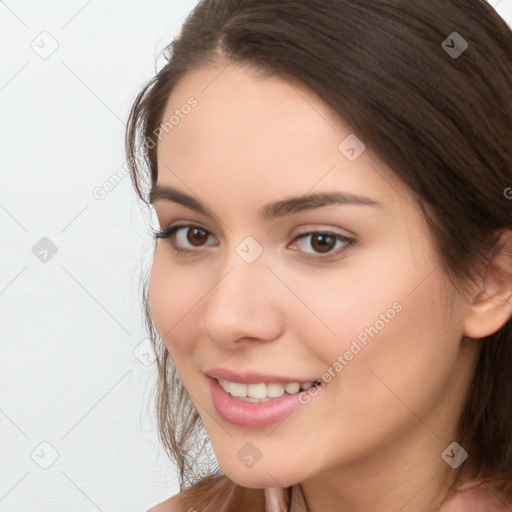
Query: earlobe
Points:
[491, 307]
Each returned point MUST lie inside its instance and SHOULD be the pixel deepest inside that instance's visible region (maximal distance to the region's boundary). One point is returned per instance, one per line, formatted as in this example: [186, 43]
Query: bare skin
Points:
[375, 434]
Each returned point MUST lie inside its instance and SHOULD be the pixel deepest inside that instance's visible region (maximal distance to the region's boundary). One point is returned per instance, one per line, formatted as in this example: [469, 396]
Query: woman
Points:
[330, 295]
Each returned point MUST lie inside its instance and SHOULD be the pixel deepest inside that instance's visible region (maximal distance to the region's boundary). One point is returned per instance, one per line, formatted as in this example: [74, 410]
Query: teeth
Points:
[237, 389]
[249, 399]
[262, 392]
[292, 388]
[257, 390]
[275, 390]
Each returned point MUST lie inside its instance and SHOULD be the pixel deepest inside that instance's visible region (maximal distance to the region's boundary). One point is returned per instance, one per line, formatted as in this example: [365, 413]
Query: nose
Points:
[246, 305]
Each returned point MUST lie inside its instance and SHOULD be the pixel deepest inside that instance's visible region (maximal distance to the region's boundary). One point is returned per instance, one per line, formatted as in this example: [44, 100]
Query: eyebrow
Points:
[272, 209]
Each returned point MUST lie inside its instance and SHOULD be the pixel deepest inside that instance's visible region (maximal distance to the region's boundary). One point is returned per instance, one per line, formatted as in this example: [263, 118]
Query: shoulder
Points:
[214, 494]
[479, 496]
[181, 502]
[170, 505]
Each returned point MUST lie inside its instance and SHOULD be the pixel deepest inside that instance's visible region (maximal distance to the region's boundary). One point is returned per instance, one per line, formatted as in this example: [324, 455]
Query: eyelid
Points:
[302, 229]
[169, 231]
[350, 240]
[319, 228]
[333, 254]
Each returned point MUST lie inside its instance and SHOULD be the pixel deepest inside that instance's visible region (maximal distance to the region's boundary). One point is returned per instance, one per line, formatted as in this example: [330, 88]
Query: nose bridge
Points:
[242, 283]
[245, 265]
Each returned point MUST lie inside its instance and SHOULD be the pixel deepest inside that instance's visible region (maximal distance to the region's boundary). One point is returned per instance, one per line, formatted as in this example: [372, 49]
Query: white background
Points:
[71, 330]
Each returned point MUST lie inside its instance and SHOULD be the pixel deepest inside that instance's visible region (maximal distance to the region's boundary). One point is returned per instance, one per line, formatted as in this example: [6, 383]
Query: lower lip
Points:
[252, 414]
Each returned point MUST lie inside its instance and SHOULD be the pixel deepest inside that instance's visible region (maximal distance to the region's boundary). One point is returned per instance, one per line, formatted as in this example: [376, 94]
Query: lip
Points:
[252, 414]
[253, 377]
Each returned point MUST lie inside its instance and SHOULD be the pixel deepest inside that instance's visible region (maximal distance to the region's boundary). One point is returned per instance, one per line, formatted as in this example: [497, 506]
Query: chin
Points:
[261, 477]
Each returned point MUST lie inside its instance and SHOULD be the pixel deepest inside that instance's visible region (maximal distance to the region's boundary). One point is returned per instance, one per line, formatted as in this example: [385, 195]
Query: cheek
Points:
[389, 312]
[161, 295]
[365, 295]
[171, 299]
[403, 355]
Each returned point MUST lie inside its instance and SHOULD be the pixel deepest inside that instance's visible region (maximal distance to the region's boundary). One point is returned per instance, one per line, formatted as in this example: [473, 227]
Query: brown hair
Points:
[442, 123]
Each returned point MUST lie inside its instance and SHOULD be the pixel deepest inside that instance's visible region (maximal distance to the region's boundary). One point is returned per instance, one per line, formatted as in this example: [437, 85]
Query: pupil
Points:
[326, 242]
[196, 236]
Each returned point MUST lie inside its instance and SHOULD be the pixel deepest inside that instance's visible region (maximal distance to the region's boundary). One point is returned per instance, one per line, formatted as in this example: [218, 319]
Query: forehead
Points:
[263, 132]
[237, 107]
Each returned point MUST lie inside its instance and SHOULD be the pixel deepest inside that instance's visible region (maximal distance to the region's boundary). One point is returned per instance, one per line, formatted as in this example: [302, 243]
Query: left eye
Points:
[324, 242]
[321, 242]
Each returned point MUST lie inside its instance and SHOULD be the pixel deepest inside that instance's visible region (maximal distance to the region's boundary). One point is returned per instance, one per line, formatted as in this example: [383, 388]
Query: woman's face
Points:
[287, 297]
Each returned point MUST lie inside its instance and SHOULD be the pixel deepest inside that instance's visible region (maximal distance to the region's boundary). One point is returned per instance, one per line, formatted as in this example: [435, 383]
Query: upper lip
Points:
[250, 377]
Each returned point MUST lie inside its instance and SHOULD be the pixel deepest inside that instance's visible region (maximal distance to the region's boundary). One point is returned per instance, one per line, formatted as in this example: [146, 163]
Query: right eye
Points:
[192, 234]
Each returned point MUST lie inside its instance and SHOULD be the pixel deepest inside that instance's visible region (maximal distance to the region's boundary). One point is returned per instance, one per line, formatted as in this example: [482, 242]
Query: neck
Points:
[418, 481]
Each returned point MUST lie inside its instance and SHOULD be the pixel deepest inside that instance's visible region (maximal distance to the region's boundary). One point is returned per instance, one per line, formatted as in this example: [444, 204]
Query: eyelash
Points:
[170, 231]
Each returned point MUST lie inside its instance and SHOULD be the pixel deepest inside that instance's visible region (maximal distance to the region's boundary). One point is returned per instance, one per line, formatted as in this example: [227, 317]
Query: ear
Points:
[491, 306]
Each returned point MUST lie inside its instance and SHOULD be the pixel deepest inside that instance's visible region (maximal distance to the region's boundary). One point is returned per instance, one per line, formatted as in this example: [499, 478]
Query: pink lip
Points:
[252, 414]
[253, 378]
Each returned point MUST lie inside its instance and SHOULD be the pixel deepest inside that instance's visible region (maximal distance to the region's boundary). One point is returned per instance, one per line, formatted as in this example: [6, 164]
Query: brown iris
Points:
[325, 242]
[199, 235]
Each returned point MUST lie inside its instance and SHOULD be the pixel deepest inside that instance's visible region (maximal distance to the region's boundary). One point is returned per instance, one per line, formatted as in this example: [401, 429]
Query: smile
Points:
[262, 392]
